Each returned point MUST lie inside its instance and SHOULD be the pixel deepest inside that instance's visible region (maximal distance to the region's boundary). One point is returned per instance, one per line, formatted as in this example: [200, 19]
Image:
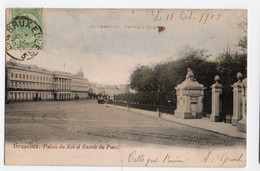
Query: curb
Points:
[231, 130]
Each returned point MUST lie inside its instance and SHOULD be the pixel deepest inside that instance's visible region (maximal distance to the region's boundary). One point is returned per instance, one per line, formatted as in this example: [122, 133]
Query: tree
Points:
[158, 84]
[243, 44]
[243, 41]
[143, 79]
[228, 65]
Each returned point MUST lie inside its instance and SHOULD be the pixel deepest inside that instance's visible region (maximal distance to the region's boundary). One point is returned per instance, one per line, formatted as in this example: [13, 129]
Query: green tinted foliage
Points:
[157, 85]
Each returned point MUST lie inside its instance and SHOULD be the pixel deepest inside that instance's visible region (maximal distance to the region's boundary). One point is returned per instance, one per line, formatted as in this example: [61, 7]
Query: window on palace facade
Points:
[23, 76]
[12, 74]
[15, 75]
[26, 76]
[37, 77]
[19, 75]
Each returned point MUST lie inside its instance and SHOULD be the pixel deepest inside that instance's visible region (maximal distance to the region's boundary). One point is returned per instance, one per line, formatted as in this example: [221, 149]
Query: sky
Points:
[109, 44]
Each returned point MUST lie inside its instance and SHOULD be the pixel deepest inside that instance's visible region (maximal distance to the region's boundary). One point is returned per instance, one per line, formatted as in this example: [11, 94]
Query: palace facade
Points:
[25, 82]
[108, 91]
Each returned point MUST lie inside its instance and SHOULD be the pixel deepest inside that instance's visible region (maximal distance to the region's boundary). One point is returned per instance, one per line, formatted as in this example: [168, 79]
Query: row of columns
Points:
[63, 84]
[239, 102]
[63, 96]
[27, 95]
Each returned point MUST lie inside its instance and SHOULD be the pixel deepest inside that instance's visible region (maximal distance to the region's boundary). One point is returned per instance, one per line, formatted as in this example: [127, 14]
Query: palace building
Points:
[25, 82]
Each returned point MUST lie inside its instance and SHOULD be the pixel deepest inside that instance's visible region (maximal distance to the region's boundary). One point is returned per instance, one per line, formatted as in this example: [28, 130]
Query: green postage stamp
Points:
[24, 33]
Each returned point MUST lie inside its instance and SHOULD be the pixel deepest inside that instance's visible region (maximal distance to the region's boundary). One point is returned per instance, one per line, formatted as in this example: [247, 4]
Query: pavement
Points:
[204, 123]
[89, 122]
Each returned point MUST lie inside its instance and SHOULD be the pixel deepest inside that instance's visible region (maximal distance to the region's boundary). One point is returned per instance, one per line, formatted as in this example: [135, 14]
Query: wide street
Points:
[87, 121]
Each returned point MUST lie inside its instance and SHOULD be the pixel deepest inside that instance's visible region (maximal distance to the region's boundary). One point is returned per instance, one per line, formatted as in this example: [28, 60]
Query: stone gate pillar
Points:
[237, 100]
[189, 98]
[216, 107]
[241, 126]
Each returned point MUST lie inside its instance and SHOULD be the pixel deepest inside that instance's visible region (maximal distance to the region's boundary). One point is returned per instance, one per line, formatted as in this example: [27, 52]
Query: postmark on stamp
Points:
[24, 33]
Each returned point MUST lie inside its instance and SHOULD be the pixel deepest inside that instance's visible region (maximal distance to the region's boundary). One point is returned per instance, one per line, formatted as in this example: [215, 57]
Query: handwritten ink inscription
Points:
[134, 157]
[200, 17]
[185, 15]
[221, 159]
[216, 159]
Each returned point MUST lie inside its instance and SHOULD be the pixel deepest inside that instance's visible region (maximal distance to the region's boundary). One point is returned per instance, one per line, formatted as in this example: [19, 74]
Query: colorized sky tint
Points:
[109, 44]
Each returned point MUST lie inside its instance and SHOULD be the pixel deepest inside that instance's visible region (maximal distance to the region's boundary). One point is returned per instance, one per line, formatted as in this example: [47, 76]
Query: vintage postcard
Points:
[126, 87]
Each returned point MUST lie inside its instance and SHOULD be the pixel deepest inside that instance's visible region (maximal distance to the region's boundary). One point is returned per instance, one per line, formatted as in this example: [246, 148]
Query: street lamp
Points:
[158, 101]
[114, 100]
[169, 101]
[127, 100]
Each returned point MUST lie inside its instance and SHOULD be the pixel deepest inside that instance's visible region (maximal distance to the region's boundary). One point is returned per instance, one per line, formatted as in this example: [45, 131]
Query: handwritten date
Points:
[186, 15]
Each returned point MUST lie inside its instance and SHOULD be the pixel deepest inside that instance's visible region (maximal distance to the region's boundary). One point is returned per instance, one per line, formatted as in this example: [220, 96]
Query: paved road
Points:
[87, 121]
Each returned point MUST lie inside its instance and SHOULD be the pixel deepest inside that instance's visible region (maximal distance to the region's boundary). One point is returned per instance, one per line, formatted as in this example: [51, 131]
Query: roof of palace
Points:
[35, 68]
[24, 66]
